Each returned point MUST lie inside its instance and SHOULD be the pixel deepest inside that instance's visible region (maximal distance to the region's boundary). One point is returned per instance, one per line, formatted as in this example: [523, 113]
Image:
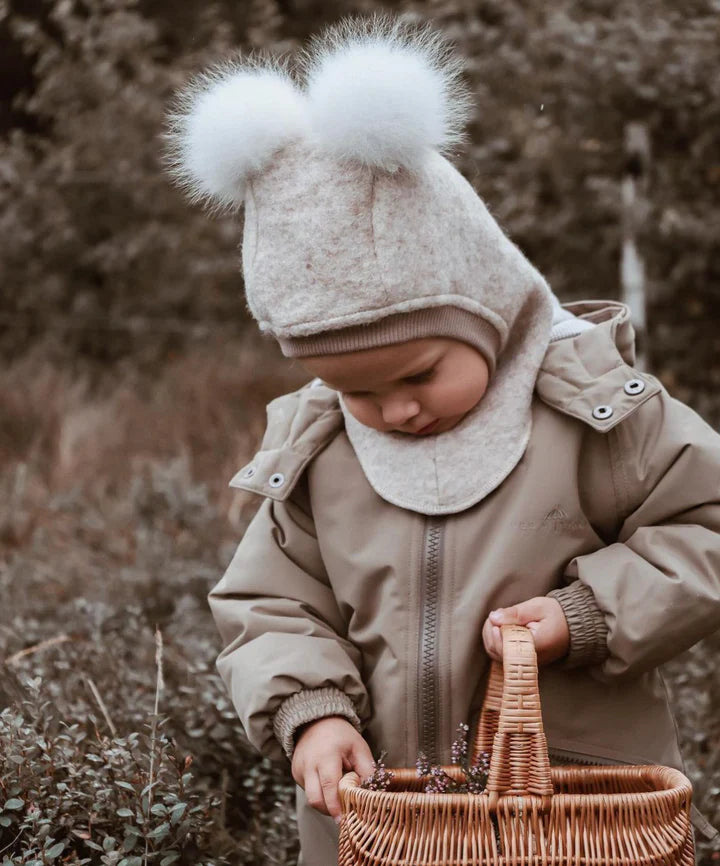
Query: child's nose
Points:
[398, 410]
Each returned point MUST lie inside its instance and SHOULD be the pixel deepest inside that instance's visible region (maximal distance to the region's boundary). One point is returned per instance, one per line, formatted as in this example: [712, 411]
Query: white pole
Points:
[632, 267]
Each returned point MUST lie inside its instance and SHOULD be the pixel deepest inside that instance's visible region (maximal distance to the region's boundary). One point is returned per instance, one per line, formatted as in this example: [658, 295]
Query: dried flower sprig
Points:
[436, 780]
[476, 772]
[380, 778]
[458, 750]
[422, 765]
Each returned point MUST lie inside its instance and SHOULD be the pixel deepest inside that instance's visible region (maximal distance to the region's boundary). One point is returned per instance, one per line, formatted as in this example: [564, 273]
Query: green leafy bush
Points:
[68, 793]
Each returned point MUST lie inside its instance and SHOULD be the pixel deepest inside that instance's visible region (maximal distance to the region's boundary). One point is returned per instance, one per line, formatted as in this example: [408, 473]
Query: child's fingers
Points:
[497, 642]
[486, 639]
[329, 773]
[313, 791]
[492, 641]
[533, 610]
[319, 793]
[361, 759]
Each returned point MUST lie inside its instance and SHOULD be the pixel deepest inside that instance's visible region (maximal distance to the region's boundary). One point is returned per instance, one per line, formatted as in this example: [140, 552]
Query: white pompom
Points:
[382, 93]
[229, 123]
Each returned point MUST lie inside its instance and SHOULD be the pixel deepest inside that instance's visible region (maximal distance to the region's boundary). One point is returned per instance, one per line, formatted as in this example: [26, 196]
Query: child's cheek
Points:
[456, 399]
[362, 410]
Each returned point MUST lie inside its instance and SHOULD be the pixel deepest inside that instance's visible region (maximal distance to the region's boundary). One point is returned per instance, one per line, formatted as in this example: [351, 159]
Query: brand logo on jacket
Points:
[556, 520]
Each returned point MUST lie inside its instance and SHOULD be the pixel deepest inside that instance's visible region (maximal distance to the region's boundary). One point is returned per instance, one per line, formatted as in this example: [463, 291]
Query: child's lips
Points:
[428, 428]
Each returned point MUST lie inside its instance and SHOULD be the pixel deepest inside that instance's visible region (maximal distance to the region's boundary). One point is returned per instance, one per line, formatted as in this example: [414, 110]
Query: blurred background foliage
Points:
[99, 250]
[133, 382]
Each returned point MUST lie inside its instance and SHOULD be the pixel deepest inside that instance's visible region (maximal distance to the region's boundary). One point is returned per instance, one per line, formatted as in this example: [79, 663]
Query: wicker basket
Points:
[531, 813]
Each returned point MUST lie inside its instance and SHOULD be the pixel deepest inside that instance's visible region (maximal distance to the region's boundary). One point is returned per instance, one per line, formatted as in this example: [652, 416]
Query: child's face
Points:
[407, 386]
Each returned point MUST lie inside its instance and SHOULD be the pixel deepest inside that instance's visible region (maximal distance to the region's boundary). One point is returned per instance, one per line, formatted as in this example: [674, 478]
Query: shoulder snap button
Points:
[602, 412]
[634, 386]
[277, 479]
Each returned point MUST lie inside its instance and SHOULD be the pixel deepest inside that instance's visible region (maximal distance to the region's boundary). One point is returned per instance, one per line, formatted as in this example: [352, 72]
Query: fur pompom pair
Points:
[377, 91]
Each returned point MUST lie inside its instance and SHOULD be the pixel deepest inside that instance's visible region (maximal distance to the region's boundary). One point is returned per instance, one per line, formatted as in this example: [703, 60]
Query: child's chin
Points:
[445, 427]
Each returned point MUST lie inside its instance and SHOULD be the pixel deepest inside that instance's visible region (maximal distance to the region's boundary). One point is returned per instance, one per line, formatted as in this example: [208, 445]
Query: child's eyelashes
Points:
[417, 379]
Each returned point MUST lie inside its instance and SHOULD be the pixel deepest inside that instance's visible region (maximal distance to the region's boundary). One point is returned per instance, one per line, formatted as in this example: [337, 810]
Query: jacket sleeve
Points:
[655, 591]
[287, 660]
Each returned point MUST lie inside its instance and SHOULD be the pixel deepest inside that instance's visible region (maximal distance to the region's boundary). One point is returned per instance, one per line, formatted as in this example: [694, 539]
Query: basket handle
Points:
[510, 727]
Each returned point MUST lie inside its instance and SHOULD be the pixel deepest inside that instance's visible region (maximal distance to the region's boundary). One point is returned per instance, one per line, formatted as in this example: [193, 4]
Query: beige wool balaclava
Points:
[358, 233]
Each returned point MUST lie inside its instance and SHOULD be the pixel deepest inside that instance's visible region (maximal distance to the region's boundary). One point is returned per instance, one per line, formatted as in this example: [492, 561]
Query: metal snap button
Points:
[249, 472]
[602, 412]
[277, 479]
[634, 386]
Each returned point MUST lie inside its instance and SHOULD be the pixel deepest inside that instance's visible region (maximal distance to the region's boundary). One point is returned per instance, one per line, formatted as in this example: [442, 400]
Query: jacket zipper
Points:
[428, 679]
[579, 758]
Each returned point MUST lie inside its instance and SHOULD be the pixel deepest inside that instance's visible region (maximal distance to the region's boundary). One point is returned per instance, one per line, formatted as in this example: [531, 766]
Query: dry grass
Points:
[115, 518]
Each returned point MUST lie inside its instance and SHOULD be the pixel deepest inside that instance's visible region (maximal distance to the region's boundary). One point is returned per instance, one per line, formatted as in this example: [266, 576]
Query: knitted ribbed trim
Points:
[588, 629]
[308, 706]
[443, 321]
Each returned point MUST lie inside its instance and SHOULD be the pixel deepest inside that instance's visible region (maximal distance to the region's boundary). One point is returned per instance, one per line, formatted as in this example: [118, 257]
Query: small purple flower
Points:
[459, 747]
[436, 780]
[422, 765]
[380, 778]
[439, 782]
[475, 786]
[482, 761]
[477, 773]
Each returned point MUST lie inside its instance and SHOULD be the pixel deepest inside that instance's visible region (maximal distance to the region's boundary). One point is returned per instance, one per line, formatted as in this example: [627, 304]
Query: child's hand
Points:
[543, 616]
[325, 750]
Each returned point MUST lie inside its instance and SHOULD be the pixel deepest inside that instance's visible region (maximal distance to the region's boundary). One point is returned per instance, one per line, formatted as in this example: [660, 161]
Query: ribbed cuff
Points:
[588, 629]
[308, 706]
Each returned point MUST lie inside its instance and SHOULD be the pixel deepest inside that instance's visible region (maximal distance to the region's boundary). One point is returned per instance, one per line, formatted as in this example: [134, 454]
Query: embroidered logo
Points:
[556, 514]
[556, 520]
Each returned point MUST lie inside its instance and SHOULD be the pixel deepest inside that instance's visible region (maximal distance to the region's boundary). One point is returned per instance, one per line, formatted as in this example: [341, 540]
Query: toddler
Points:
[467, 453]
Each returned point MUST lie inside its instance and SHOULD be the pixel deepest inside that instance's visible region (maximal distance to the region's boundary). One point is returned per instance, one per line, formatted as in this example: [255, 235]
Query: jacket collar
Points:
[591, 376]
[614, 320]
[299, 426]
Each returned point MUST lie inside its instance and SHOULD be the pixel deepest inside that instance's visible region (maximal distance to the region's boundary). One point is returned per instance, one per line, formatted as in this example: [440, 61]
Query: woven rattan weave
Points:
[530, 813]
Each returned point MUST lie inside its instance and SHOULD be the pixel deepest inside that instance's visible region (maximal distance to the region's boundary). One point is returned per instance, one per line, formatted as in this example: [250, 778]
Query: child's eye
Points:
[419, 378]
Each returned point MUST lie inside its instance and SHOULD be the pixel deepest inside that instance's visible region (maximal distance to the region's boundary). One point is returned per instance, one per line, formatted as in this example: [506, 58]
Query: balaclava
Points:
[358, 232]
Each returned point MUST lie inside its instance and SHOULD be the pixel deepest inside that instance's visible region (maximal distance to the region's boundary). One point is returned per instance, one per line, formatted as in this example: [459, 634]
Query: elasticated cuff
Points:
[588, 629]
[307, 706]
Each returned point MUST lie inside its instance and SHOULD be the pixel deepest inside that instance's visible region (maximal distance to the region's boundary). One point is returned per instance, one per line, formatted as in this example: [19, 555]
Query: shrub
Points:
[67, 794]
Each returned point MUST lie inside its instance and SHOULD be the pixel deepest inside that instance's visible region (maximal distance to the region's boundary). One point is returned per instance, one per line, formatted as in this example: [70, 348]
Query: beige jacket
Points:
[337, 602]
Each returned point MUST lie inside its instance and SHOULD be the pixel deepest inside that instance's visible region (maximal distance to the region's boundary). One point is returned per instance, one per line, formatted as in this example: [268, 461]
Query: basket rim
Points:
[675, 781]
